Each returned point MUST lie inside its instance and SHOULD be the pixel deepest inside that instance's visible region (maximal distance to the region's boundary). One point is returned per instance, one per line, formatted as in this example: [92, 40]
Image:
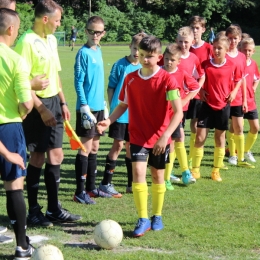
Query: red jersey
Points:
[240, 61]
[251, 75]
[219, 82]
[148, 107]
[203, 52]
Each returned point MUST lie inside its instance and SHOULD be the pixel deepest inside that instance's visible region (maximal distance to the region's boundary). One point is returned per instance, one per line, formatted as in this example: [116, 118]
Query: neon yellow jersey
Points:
[42, 57]
[15, 85]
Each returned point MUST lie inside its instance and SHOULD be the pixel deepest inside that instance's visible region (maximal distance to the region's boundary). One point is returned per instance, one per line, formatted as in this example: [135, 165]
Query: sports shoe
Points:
[174, 179]
[83, 198]
[195, 175]
[232, 160]
[36, 218]
[128, 190]
[143, 225]
[215, 176]
[5, 239]
[245, 164]
[62, 215]
[98, 193]
[187, 178]
[157, 223]
[249, 156]
[3, 229]
[109, 188]
[168, 185]
[22, 254]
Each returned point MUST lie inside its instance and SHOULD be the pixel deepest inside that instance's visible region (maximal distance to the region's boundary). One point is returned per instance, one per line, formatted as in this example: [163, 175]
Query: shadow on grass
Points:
[7, 257]
[89, 246]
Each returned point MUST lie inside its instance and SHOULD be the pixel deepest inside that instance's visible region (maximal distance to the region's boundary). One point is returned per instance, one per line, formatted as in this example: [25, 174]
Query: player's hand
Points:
[65, 112]
[160, 145]
[39, 83]
[15, 158]
[88, 120]
[103, 125]
[48, 118]
[106, 113]
[244, 107]
[231, 96]
[203, 95]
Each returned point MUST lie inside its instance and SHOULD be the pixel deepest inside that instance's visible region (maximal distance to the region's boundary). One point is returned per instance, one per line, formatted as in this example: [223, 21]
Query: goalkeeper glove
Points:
[88, 120]
[106, 113]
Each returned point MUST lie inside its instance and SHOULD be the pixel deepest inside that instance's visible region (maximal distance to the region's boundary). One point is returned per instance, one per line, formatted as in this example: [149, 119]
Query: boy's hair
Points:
[245, 35]
[197, 19]
[247, 41]
[46, 7]
[137, 38]
[173, 49]
[6, 3]
[222, 39]
[151, 44]
[234, 29]
[7, 18]
[185, 31]
[221, 34]
[95, 19]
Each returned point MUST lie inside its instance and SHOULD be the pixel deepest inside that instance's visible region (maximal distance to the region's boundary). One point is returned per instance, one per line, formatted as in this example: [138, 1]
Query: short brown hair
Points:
[173, 49]
[7, 18]
[6, 3]
[197, 19]
[46, 7]
[221, 33]
[151, 44]
[234, 29]
[137, 38]
[222, 39]
[95, 19]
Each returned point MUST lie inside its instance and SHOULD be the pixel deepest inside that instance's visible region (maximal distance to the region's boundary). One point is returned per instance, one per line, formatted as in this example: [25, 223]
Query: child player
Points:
[252, 76]
[119, 129]
[188, 89]
[148, 89]
[221, 76]
[89, 85]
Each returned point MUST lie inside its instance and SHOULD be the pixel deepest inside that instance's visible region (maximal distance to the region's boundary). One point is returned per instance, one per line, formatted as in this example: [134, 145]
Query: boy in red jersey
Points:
[148, 93]
[189, 87]
[221, 76]
[252, 77]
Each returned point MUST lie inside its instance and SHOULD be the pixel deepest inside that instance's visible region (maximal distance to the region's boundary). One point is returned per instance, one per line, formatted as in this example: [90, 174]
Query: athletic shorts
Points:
[236, 111]
[119, 131]
[38, 136]
[251, 115]
[177, 132]
[12, 136]
[140, 154]
[194, 109]
[73, 39]
[184, 119]
[89, 133]
[209, 118]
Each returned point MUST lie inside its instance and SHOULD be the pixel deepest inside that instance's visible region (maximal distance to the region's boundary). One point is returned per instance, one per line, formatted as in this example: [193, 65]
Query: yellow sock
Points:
[239, 141]
[158, 191]
[168, 167]
[250, 141]
[219, 154]
[231, 143]
[196, 158]
[181, 155]
[192, 142]
[140, 193]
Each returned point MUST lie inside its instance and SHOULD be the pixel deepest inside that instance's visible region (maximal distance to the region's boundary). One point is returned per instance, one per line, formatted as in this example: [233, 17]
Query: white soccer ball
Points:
[108, 234]
[47, 252]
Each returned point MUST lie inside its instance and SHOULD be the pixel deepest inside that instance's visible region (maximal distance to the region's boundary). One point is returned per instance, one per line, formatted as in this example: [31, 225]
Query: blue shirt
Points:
[116, 79]
[89, 78]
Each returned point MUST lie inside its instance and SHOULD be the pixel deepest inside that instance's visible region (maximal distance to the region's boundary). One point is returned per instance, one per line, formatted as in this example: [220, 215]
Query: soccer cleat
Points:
[168, 185]
[62, 215]
[5, 239]
[174, 179]
[157, 223]
[195, 175]
[83, 198]
[232, 160]
[109, 188]
[36, 218]
[143, 225]
[128, 190]
[3, 229]
[22, 254]
[215, 176]
[249, 156]
[98, 193]
[245, 164]
[187, 178]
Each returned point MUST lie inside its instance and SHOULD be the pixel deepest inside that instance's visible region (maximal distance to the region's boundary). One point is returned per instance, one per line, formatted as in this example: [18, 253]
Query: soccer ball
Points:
[108, 234]
[47, 252]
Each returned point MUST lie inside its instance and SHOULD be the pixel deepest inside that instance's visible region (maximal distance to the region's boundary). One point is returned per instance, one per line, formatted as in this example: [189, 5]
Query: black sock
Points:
[16, 211]
[91, 172]
[32, 184]
[51, 177]
[109, 170]
[128, 163]
[81, 166]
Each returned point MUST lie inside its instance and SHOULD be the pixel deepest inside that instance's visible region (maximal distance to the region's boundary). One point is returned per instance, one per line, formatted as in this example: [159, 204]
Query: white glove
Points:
[106, 113]
[88, 120]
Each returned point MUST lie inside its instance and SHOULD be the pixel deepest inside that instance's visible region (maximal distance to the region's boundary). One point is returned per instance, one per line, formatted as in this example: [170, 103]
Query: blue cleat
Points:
[143, 225]
[187, 178]
[157, 223]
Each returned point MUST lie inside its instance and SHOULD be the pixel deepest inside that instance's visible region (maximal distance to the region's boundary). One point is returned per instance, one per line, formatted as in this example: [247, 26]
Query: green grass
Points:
[207, 220]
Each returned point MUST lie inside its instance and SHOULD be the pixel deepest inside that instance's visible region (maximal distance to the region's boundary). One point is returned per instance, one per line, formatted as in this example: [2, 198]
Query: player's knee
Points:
[37, 160]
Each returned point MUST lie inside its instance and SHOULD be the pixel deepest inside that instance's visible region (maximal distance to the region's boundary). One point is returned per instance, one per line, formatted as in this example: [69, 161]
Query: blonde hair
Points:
[185, 31]
[197, 19]
[247, 41]
[173, 49]
[222, 39]
[234, 29]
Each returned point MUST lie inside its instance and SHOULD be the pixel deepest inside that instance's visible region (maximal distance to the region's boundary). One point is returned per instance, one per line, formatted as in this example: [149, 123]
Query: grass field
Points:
[207, 220]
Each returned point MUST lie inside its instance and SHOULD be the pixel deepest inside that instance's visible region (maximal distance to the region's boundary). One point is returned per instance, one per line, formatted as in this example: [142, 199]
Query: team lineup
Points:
[212, 85]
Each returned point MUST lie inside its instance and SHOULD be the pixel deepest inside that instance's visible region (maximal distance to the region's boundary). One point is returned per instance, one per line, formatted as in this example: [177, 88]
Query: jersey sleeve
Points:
[256, 74]
[238, 73]
[199, 71]
[173, 89]
[123, 93]
[114, 76]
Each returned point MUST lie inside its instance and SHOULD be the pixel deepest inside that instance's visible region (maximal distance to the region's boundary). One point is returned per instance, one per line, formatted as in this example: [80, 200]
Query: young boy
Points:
[89, 85]
[252, 76]
[119, 129]
[188, 89]
[221, 76]
[15, 103]
[148, 89]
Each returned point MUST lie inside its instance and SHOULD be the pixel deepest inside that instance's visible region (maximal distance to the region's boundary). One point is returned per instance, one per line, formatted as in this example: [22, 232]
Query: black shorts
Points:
[184, 119]
[89, 133]
[177, 132]
[119, 131]
[236, 111]
[38, 136]
[194, 109]
[209, 118]
[251, 115]
[140, 154]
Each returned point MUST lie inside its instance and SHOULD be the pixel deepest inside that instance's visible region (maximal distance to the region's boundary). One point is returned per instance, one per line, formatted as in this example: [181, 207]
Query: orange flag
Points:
[75, 143]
